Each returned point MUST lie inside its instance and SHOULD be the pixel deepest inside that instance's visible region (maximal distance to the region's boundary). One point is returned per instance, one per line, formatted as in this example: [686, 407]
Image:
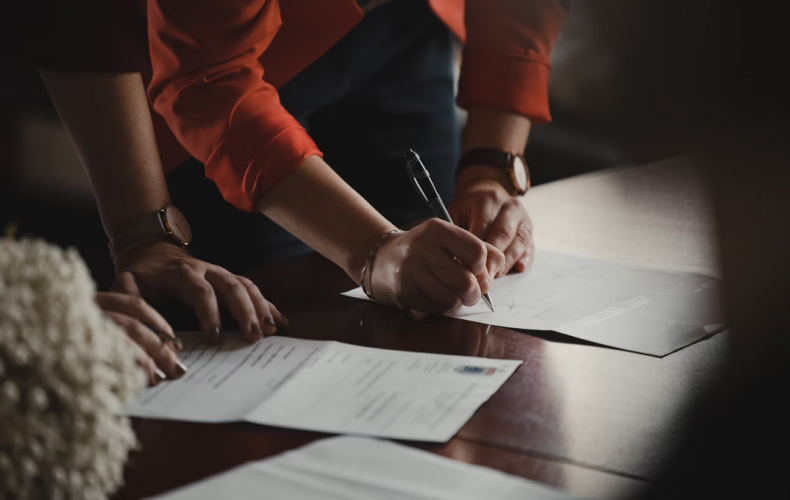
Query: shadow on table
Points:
[375, 325]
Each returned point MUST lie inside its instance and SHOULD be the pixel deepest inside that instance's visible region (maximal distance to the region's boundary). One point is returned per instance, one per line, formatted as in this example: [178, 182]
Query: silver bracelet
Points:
[371, 258]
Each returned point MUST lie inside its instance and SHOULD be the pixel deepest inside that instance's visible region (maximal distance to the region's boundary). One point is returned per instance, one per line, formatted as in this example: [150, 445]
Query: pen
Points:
[418, 171]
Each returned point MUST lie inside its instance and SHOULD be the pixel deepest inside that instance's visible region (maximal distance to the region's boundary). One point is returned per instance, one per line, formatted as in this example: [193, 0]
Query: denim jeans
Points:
[387, 86]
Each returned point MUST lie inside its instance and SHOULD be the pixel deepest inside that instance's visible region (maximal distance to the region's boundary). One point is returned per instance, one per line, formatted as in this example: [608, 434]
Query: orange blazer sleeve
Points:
[208, 85]
[506, 54]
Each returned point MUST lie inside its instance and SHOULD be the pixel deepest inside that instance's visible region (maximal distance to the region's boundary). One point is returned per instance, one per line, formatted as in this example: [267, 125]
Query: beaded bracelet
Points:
[371, 258]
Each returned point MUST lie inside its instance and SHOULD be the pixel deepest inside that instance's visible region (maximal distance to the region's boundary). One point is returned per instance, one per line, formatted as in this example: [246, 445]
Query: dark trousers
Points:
[385, 87]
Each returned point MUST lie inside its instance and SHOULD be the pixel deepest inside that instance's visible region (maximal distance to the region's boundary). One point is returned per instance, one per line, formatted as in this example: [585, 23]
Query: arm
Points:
[482, 203]
[208, 84]
[104, 129]
[318, 207]
[107, 118]
[414, 270]
[504, 86]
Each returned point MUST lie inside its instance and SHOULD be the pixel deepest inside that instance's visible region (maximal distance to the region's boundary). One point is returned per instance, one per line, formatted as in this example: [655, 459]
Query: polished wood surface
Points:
[178, 453]
[591, 420]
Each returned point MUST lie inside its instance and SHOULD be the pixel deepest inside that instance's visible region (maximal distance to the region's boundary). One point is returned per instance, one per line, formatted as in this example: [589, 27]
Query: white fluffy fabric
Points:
[65, 373]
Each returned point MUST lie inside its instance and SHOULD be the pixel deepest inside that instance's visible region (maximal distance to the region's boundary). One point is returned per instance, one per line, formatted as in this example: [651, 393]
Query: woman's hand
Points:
[489, 212]
[138, 319]
[162, 270]
[435, 267]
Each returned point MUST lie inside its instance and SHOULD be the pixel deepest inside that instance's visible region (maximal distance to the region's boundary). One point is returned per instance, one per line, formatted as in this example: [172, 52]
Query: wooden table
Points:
[591, 420]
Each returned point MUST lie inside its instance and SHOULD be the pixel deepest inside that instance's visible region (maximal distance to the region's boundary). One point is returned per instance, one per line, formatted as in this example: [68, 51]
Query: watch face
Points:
[178, 225]
[520, 174]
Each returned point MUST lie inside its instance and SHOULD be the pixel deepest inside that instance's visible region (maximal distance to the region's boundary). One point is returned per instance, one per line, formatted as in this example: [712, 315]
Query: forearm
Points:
[318, 207]
[107, 117]
[493, 128]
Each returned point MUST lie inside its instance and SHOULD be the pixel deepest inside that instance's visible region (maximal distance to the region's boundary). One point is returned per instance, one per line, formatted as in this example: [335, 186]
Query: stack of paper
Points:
[628, 307]
[351, 468]
[327, 386]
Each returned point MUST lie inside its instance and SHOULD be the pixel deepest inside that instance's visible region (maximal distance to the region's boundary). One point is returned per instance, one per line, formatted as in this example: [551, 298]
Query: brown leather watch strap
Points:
[491, 157]
[146, 226]
[127, 249]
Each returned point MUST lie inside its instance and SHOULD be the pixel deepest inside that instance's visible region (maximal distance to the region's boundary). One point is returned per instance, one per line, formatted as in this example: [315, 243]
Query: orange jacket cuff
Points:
[512, 80]
[243, 175]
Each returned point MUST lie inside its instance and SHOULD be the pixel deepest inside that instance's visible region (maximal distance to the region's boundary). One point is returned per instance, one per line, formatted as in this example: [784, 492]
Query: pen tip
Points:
[488, 301]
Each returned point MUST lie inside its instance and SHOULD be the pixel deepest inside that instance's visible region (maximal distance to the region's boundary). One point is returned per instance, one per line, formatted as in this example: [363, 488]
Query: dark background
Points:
[43, 189]
[632, 82]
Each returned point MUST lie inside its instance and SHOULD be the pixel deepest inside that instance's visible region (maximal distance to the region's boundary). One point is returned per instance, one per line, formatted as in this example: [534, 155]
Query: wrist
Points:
[496, 128]
[359, 257]
[168, 222]
[366, 280]
[114, 217]
[157, 244]
[473, 177]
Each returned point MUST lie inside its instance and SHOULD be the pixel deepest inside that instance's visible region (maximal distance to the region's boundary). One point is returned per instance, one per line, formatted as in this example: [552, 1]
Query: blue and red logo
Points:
[476, 370]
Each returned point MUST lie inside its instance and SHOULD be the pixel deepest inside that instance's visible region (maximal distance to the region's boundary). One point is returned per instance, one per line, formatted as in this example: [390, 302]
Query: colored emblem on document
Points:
[476, 370]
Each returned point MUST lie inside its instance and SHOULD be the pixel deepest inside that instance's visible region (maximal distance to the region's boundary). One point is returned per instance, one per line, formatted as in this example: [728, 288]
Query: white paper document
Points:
[628, 307]
[353, 468]
[326, 386]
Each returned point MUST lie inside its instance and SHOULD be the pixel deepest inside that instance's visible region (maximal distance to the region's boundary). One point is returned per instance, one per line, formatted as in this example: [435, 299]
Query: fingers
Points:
[202, 286]
[455, 279]
[431, 296]
[195, 291]
[144, 361]
[525, 263]
[125, 283]
[268, 315]
[155, 375]
[482, 215]
[164, 358]
[495, 261]
[471, 251]
[438, 293]
[504, 229]
[134, 306]
[237, 299]
[518, 248]
[510, 232]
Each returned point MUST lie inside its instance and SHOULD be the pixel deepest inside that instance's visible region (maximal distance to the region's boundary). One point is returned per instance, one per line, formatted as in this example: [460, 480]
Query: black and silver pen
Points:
[418, 171]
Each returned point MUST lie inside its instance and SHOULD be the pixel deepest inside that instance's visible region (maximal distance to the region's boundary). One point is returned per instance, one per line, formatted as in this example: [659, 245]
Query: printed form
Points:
[327, 387]
[355, 468]
[628, 307]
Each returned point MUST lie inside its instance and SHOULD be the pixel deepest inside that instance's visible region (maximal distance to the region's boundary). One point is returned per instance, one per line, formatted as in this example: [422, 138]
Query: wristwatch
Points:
[512, 163]
[169, 223]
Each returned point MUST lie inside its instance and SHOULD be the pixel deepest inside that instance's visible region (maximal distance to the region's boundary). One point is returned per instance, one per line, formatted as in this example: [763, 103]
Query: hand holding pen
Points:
[435, 267]
[421, 180]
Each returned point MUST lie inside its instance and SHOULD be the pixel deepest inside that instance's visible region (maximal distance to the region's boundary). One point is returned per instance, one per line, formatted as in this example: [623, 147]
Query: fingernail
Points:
[177, 344]
[214, 335]
[180, 368]
[255, 328]
[163, 336]
[268, 320]
[159, 375]
[167, 338]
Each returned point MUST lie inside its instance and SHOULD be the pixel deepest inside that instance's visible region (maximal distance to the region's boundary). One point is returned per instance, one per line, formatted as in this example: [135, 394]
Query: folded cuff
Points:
[511, 79]
[243, 174]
